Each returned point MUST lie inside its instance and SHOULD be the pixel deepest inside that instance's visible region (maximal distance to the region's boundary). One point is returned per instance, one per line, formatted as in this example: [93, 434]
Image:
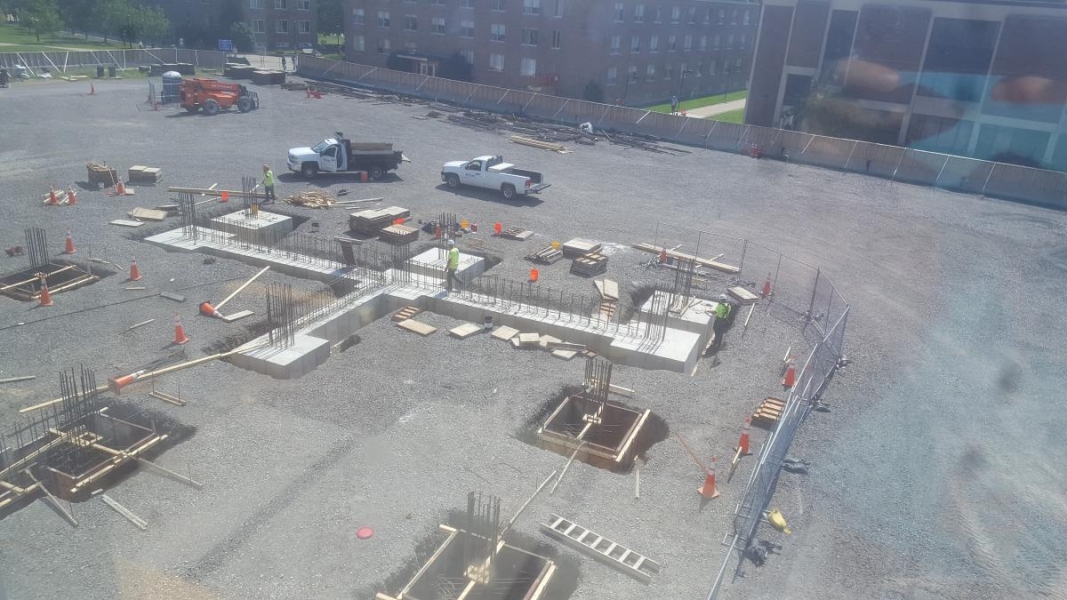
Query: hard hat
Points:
[451, 243]
[722, 297]
[265, 167]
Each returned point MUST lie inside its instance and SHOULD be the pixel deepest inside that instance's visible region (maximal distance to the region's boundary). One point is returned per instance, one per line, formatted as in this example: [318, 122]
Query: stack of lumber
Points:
[609, 296]
[516, 233]
[578, 247]
[372, 221]
[767, 413]
[238, 71]
[141, 174]
[525, 141]
[268, 77]
[311, 199]
[101, 174]
[545, 256]
[399, 235]
[590, 264]
[743, 295]
[704, 262]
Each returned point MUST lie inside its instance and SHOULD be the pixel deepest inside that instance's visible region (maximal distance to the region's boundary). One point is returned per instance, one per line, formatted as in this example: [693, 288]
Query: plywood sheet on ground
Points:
[420, 328]
[504, 333]
[464, 331]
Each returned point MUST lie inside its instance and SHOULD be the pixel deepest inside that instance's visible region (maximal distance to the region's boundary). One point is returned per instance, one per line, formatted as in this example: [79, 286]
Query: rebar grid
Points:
[37, 247]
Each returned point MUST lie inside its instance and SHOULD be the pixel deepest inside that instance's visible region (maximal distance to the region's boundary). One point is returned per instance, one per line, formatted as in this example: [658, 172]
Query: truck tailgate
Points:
[537, 188]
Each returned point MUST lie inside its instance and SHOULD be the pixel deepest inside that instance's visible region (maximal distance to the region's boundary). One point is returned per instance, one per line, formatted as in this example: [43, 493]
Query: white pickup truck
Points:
[491, 172]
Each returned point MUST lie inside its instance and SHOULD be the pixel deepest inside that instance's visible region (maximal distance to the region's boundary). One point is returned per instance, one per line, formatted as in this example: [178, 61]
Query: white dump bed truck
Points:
[340, 154]
[491, 172]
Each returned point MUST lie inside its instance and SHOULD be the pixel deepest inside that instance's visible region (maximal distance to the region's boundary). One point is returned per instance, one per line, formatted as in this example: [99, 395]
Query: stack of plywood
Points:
[268, 77]
[372, 221]
[590, 264]
[399, 235]
[577, 247]
[149, 175]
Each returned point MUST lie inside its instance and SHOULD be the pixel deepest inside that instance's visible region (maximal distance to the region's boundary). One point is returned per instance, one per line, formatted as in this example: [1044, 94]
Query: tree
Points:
[42, 17]
[593, 92]
[456, 67]
[331, 15]
[242, 36]
[79, 15]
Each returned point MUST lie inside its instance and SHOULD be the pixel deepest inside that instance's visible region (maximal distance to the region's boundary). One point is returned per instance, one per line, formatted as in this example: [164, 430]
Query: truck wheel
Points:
[244, 104]
[453, 180]
[508, 190]
[211, 107]
[376, 172]
[309, 170]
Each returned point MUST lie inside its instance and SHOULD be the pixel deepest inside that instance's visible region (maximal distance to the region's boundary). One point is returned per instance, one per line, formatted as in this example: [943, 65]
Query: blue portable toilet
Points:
[172, 82]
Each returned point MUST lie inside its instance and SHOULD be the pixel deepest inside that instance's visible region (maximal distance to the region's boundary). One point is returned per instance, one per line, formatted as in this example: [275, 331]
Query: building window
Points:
[650, 73]
[668, 72]
[531, 7]
[496, 32]
[940, 134]
[631, 74]
[688, 44]
[255, 4]
[737, 66]
[683, 72]
[530, 37]
[639, 13]
[635, 44]
[716, 41]
[613, 76]
[559, 9]
[466, 29]
[676, 14]
[557, 37]
[707, 16]
[743, 42]
[619, 12]
[303, 26]
[466, 4]
[672, 43]
[259, 26]
[437, 25]
[615, 44]
[357, 16]
[303, 4]
[733, 17]
[692, 15]
[496, 63]
[722, 16]
[383, 18]
[281, 5]
[358, 43]
[699, 71]
[653, 44]
[703, 43]
[528, 67]
[468, 55]
[499, 6]
[383, 45]
[730, 42]
[713, 66]
[281, 26]
[657, 15]
[745, 17]
[411, 23]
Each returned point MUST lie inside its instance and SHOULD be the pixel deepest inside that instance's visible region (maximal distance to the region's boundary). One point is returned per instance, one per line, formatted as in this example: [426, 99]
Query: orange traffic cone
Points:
[437, 232]
[708, 490]
[663, 256]
[52, 199]
[497, 228]
[224, 197]
[534, 275]
[115, 384]
[120, 189]
[743, 444]
[209, 311]
[46, 297]
[790, 378]
[767, 286]
[135, 273]
[179, 332]
[68, 246]
[92, 89]
[72, 197]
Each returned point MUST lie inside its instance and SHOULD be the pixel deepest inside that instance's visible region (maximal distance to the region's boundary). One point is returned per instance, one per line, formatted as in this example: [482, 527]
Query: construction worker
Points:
[723, 316]
[452, 266]
[268, 185]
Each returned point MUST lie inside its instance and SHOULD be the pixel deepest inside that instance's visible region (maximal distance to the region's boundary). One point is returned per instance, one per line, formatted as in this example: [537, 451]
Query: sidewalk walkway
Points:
[716, 109]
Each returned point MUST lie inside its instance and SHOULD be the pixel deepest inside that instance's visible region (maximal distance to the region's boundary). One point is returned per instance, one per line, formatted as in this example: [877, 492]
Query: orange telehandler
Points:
[211, 96]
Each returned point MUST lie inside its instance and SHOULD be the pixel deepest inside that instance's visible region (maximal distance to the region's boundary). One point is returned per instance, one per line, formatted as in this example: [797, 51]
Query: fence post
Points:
[744, 248]
[988, 177]
[849, 159]
[560, 109]
[818, 271]
[897, 168]
[776, 270]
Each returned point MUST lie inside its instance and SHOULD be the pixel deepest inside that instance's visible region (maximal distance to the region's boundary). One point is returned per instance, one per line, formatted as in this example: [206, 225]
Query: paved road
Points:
[715, 109]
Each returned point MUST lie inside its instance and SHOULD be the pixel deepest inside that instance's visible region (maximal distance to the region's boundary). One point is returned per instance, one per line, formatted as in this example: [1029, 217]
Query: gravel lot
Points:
[936, 475]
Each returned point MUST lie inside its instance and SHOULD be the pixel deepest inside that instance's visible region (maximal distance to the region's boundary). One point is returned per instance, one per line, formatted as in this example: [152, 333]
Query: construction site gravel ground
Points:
[936, 474]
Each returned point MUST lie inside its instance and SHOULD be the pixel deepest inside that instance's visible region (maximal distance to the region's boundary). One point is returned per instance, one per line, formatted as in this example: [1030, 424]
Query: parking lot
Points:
[950, 406]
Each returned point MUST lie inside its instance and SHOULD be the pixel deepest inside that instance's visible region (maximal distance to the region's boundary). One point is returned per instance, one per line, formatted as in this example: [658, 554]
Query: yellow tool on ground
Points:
[778, 521]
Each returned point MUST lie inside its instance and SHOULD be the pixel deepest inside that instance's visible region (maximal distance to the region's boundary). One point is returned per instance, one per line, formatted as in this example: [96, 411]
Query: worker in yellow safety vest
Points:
[723, 313]
[452, 266]
[268, 185]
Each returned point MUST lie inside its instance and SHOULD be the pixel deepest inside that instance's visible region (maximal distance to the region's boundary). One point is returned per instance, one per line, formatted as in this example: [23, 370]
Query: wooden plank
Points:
[126, 223]
[529, 339]
[415, 326]
[711, 264]
[125, 512]
[611, 289]
[564, 354]
[545, 340]
[743, 295]
[566, 346]
[464, 331]
[238, 316]
[147, 214]
[18, 379]
[242, 286]
[504, 333]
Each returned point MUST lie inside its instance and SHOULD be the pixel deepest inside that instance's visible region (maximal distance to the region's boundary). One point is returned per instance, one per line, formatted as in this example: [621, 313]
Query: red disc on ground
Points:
[364, 533]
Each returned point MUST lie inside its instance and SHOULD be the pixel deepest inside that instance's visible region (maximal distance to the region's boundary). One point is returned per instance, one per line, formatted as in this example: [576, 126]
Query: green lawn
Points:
[734, 116]
[17, 39]
[699, 102]
[326, 39]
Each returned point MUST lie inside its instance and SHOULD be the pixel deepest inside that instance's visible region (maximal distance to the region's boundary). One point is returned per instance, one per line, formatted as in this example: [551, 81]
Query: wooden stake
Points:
[751, 308]
[243, 286]
[695, 459]
[733, 464]
[568, 465]
[525, 504]
[136, 325]
[17, 379]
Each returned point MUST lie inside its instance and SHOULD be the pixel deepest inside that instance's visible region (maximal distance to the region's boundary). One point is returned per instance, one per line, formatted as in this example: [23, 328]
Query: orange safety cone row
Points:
[790, 378]
[767, 286]
[708, 490]
[209, 311]
[46, 296]
[68, 246]
[744, 444]
[135, 273]
[52, 199]
[115, 384]
[72, 196]
[179, 332]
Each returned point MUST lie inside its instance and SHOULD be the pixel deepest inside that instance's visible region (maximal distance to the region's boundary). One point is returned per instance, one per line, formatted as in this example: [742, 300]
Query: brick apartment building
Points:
[937, 75]
[634, 51]
[276, 24]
